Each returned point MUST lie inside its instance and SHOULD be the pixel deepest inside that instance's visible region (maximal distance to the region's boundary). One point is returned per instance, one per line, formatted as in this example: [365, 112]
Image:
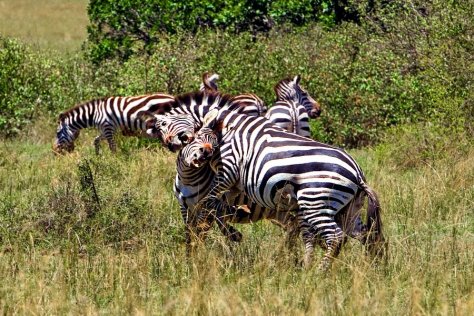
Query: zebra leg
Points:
[108, 132]
[333, 242]
[320, 223]
[112, 144]
[219, 211]
[223, 212]
[97, 143]
[218, 208]
[308, 239]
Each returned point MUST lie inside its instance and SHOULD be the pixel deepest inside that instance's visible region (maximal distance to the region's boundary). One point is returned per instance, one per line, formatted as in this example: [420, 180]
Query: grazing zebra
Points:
[193, 184]
[293, 107]
[273, 166]
[108, 115]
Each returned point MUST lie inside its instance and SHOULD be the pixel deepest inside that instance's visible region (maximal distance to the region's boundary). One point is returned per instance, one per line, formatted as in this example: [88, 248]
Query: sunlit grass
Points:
[128, 256]
[49, 24]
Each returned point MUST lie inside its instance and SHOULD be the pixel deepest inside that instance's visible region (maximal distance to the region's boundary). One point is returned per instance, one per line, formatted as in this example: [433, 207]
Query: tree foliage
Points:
[121, 27]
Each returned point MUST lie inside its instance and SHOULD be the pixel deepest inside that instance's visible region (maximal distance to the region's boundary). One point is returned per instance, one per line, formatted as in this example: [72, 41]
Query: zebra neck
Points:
[83, 116]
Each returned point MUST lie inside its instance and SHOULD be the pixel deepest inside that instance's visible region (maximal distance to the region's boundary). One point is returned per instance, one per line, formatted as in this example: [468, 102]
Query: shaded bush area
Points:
[121, 28]
[403, 63]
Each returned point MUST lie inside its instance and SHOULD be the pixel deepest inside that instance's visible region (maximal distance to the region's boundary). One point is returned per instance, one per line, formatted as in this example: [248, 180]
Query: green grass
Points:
[49, 24]
[64, 251]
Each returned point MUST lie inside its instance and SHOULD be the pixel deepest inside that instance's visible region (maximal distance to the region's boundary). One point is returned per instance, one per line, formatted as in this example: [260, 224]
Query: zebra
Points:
[315, 180]
[108, 115]
[193, 184]
[197, 104]
[293, 107]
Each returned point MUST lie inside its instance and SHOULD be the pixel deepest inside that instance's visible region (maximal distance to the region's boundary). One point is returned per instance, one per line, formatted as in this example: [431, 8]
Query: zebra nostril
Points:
[201, 150]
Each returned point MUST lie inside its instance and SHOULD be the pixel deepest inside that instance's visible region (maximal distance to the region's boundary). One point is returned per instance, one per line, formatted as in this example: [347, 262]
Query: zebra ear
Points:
[208, 84]
[296, 80]
[210, 119]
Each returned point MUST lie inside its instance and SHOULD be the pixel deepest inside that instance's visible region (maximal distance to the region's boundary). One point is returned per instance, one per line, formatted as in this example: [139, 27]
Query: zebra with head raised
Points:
[315, 180]
[293, 107]
[108, 115]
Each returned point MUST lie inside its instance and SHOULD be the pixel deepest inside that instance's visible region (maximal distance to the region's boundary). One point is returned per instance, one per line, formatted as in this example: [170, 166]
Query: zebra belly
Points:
[247, 211]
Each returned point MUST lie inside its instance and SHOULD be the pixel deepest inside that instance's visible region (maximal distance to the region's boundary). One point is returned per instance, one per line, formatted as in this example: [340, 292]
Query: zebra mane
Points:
[282, 87]
[212, 98]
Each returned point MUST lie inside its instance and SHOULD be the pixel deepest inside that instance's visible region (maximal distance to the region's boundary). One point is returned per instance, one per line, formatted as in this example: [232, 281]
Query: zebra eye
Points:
[163, 123]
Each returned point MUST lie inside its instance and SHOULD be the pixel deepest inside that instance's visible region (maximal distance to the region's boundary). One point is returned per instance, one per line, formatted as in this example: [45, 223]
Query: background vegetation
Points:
[86, 234]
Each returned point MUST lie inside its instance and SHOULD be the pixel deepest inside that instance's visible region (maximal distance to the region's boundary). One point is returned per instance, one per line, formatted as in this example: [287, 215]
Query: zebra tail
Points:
[376, 244]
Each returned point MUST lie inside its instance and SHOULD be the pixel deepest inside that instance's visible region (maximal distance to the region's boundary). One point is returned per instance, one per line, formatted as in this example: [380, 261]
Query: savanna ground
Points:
[82, 234]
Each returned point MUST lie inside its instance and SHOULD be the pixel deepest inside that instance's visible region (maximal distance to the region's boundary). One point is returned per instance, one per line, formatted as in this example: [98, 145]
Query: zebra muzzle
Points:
[174, 144]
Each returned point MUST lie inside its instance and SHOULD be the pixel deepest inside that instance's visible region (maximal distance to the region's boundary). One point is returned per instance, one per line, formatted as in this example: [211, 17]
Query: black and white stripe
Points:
[108, 115]
[293, 107]
[290, 89]
[270, 165]
[291, 116]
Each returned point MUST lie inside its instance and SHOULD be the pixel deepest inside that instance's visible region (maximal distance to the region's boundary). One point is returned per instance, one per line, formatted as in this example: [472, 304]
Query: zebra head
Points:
[65, 135]
[290, 90]
[205, 142]
[175, 131]
[201, 149]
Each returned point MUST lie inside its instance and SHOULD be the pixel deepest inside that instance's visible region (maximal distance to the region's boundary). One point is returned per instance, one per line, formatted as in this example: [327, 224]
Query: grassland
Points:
[65, 250]
[49, 24]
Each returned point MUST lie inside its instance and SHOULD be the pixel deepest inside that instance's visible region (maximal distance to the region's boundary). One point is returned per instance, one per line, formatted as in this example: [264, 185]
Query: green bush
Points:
[121, 28]
[19, 85]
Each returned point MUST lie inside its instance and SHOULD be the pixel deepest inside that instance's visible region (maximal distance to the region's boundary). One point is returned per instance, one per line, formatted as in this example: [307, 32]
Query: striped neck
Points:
[83, 115]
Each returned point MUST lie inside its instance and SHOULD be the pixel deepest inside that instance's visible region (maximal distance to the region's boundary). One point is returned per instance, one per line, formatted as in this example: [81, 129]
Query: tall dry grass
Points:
[128, 256]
